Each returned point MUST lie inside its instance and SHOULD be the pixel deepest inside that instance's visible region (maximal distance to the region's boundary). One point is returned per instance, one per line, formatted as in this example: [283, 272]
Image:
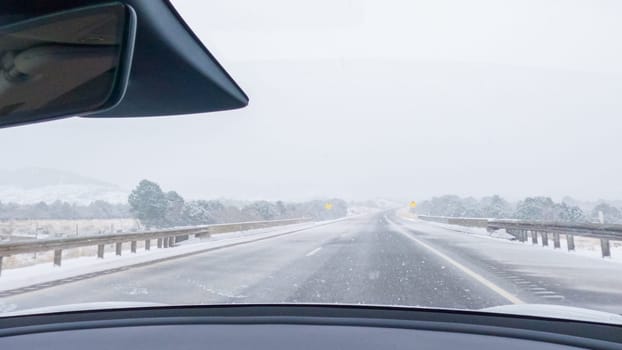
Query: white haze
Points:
[397, 99]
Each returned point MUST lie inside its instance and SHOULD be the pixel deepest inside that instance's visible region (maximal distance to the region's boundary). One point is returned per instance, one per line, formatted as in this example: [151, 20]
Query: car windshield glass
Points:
[443, 154]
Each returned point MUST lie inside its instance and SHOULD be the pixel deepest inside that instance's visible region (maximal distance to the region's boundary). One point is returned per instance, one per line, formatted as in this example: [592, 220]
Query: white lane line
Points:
[553, 296]
[313, 251]
[502, 292]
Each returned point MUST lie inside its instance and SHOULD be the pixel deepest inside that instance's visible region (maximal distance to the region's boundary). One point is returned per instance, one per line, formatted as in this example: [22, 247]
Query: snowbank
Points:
[44, 272]
[584, 246]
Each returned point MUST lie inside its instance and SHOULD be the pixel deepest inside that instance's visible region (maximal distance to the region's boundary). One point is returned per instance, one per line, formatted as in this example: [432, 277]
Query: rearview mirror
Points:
[74, 62]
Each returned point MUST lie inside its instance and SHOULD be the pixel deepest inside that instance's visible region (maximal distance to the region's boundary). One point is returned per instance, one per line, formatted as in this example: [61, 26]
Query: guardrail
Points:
[540, 231]
[471, 222]
[164, 239]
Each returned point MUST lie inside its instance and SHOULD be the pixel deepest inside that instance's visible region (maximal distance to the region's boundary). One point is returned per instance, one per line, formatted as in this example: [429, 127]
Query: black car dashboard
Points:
[299, 327]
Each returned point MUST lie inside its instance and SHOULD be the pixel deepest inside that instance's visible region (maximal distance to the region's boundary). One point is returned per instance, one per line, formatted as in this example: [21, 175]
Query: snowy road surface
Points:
[372, 259]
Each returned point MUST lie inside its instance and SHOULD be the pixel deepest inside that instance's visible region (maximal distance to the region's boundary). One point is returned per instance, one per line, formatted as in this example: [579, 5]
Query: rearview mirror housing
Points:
[172, 72]
[67, 63]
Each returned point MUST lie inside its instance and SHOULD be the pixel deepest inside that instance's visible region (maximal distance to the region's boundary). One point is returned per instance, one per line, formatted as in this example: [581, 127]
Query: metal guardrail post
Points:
[534, 237]
[522, 230]
[133, 246]
[556, 241]
[605, 247]
[58, 255]
[570, 242]
[168, 237]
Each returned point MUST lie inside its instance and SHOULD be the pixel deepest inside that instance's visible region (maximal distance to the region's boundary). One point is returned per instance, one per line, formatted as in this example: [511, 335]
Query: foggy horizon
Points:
[94, 180]
[359, 102]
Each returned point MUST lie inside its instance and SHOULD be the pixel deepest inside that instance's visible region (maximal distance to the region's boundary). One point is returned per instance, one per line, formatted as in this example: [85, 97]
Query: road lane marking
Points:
[481, 279]
[553, 296]
[313, 251]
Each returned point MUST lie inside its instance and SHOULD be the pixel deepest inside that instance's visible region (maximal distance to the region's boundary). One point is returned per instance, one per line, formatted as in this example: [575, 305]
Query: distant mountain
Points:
[31, 185]
[42, 177]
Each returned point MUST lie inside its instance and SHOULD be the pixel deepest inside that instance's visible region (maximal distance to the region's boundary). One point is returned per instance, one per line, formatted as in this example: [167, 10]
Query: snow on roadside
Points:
[47, 272]
[584, 246]
[360, 210]
[481, 231]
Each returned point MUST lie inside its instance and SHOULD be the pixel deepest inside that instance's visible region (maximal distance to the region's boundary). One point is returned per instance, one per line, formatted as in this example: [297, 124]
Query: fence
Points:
[542, 231]
[164, 239]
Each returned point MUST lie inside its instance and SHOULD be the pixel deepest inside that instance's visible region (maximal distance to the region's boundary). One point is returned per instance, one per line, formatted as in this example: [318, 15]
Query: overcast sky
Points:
[354, 99]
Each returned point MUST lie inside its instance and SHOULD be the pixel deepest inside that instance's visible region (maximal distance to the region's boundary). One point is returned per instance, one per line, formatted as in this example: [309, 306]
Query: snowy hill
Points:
[31, 185]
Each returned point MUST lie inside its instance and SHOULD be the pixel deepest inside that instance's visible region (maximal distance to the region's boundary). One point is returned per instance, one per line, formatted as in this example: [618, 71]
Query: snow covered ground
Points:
[13, 278]
[360, 210]
[33, 185]
[584, 246]
[72, 193]
[42, 227]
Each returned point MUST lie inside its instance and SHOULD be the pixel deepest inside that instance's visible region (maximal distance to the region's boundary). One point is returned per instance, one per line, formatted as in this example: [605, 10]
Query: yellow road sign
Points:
[328, 206]
[412, 204]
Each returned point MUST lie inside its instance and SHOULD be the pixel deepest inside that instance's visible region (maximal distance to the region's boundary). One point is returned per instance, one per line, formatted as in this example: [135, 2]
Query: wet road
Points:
[374, 259]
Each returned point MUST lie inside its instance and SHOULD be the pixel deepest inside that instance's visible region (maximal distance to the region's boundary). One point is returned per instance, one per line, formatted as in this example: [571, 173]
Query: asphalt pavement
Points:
[373, 259]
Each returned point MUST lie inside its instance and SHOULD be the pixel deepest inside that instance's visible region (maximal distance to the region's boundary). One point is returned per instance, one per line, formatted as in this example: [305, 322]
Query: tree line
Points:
[530, 208]
[156, 208]
[60, 210]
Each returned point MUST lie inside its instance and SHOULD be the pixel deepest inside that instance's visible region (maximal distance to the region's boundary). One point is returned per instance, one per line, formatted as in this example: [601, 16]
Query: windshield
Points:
[443, 154]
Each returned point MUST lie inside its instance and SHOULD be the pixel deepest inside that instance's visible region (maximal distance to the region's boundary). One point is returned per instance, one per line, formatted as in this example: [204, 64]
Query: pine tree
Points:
[149, 204]
[174, 209]
[610, 213]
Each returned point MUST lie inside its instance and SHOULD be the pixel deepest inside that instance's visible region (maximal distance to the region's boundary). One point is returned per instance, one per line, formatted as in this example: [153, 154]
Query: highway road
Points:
[373, 259]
